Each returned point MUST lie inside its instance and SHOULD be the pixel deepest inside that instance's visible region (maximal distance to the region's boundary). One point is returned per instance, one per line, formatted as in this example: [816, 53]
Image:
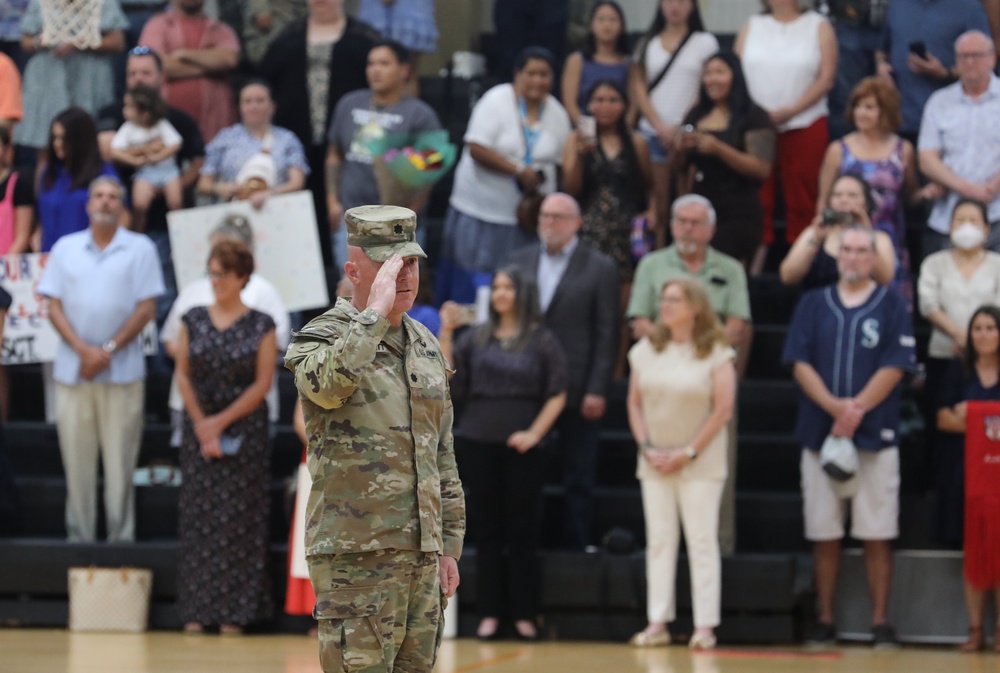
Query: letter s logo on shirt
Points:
[869, 333]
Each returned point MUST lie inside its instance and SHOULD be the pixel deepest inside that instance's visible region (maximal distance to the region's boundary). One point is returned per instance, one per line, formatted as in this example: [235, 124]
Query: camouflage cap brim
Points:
[381, 253]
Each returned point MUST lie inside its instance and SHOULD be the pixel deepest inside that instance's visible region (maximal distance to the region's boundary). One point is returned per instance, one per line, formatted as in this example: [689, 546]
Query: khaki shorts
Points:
[874, 509]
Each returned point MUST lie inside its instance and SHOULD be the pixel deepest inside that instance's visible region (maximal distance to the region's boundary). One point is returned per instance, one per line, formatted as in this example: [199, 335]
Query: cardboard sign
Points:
[286, 245]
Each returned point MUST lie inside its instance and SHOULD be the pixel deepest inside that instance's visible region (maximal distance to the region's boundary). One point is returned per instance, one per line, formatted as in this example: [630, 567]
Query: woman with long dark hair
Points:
[513, 147]
[725, 153]
[604, 56]
[67, 167]
[975, 378]
[664, 84]
[610, 175]
[510, 373]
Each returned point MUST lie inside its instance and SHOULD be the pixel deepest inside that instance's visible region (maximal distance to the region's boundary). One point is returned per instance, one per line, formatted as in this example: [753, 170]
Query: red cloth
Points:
[299, 596]
[982, 494]
[208, 99]
[798, 158]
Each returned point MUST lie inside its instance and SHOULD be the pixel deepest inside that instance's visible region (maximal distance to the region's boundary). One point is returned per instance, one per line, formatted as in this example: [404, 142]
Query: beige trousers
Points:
[99, 419]
[669, 503]
[727, 512]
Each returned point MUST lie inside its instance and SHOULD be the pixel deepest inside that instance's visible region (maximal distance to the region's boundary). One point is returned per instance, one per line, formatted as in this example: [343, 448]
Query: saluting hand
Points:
[383, 293]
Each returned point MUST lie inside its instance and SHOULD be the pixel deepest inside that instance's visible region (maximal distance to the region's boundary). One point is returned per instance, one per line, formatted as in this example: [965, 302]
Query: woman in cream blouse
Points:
[681, 396]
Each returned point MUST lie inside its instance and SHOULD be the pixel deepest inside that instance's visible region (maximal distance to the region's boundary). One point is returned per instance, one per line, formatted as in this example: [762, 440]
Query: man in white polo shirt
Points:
[102, 284]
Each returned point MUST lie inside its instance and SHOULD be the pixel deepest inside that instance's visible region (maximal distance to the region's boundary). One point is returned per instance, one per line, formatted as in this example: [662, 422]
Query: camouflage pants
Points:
[379, 611]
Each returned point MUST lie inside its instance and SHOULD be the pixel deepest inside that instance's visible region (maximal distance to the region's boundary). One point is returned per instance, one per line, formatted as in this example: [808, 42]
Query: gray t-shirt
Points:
[356, 120]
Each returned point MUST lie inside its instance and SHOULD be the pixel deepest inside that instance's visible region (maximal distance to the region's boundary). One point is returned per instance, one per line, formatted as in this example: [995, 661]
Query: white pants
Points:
[105, 419]
[669, 503]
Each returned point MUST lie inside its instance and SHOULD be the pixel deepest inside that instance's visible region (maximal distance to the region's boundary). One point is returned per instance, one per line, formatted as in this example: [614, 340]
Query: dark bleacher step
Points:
[43, 501]
[771, 301]
[32, 447]
[765, 353]
[768, 462]
[27, 400]
[580, 592]
[767, 406]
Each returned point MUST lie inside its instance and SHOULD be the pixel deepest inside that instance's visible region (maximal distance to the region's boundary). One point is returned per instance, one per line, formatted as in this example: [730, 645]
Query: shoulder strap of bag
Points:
[666, 68]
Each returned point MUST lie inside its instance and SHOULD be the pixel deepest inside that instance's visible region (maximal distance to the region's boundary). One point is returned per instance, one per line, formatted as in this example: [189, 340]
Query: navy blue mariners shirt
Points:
[846, 346]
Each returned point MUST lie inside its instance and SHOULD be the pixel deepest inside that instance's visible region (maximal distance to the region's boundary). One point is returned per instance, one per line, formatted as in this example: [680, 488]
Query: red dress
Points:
[299, 597]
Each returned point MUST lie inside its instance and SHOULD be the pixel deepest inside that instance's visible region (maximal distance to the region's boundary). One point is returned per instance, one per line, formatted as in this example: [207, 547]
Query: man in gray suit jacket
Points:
[578, 289]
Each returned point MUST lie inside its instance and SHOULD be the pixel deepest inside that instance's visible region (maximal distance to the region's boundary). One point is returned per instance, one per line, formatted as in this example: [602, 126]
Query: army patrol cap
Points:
[382, 231]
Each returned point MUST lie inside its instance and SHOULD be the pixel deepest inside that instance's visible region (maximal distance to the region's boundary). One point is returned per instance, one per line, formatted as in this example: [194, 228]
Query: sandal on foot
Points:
[702, 641]
[976, 642]
[643, 639]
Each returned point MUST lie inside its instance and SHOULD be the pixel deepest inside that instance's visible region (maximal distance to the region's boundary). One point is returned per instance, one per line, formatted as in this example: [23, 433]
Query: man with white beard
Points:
[692, 225]
[102, 284]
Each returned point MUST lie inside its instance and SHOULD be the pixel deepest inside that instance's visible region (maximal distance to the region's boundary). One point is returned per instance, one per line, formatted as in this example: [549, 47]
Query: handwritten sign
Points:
[28, 336]
[286, 245]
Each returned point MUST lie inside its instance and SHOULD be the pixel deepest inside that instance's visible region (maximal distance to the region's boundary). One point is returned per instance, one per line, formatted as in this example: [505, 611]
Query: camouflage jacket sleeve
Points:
[452, 495]
[328, 357]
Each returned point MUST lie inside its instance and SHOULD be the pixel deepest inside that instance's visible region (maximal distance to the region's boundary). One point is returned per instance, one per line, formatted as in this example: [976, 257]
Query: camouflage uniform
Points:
[386, 500]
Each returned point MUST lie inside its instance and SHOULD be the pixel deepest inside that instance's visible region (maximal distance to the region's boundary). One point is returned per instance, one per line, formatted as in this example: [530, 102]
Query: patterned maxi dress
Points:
[885, 177]
[612, 195]
[223, 574]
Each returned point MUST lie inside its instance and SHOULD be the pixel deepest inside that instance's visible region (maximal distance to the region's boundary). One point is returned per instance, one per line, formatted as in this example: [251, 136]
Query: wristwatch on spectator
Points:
[690, 452]
[110, 346]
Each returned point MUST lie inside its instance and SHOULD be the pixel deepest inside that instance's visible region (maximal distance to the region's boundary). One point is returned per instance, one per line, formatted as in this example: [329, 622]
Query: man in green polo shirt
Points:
[692, 225]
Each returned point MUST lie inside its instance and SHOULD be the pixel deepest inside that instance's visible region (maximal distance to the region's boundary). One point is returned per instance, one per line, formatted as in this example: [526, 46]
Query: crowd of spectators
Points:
[626, 218]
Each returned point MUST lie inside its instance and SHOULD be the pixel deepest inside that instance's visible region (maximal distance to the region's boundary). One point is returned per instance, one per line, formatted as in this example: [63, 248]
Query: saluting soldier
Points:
[386, 514]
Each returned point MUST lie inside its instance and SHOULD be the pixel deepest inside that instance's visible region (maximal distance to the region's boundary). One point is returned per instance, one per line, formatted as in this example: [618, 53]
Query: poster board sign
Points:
[28, 336]
[286, 245]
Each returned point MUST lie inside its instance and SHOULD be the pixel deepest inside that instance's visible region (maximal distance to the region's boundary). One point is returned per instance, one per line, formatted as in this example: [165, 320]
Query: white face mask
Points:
[967, 236]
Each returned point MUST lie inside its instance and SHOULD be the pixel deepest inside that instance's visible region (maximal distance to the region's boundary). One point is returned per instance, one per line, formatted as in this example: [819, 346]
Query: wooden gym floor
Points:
[57, 651]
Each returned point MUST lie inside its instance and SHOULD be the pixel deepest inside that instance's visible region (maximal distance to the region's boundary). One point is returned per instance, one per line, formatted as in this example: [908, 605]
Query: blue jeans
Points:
[857, 46]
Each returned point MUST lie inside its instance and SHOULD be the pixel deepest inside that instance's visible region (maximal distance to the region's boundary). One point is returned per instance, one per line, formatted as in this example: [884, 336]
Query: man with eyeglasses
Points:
[578, 289]
[960, 139]
[916, 50]
[849, 345]
[144, 66]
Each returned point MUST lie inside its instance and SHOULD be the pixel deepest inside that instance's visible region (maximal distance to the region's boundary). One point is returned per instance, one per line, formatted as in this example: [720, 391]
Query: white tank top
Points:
[781, 61]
